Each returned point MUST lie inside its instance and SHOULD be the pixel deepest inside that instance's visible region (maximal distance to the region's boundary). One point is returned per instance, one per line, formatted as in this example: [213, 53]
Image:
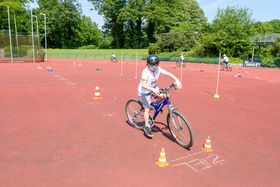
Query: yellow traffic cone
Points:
[207, 146]
[162, 162]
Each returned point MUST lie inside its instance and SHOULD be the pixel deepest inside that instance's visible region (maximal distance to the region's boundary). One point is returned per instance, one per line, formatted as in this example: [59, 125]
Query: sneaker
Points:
[148, 131]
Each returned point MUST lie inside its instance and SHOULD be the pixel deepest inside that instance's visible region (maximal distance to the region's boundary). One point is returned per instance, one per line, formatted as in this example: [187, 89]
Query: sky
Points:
[262, 10]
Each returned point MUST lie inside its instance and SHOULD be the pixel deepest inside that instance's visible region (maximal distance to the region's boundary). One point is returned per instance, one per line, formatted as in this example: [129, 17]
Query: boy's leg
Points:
[146, 100]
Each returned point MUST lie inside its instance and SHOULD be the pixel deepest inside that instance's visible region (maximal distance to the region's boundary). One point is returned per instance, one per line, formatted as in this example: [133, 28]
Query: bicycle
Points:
[177, 123]
[180, 63]
[226, 67]
[114, 59]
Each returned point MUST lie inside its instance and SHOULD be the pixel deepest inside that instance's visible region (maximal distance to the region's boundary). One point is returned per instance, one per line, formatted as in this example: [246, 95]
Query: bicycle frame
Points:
[158, 106]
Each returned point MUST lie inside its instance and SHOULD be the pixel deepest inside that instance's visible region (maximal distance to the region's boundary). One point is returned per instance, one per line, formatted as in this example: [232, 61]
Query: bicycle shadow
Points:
[157, 129]
[163, 130]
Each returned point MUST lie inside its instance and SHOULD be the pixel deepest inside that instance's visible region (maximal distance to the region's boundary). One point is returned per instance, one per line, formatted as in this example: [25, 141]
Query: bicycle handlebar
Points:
[166, 89]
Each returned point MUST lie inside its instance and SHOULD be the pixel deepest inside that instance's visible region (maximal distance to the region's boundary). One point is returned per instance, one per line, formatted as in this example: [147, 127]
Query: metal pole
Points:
[136, 69]
[122, 65]
[10, 36]
[16, 35]
[37, 31]
[181, 77]
[45, 20]
[32, 36]
[253, 54]
[217, 96]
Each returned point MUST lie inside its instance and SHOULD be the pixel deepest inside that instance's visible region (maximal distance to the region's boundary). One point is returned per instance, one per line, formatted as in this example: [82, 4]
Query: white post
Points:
[37, 31]
[253, 55]
[16, 35]
[32, 36]
[181, 73]
[10, 36]
[136, 65]
[45, 20]
[218, 79]
[122, 65]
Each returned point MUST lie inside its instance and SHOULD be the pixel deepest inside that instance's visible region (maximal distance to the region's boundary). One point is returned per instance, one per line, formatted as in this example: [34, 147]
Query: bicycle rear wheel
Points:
[222, 67]
[180, 129]
[135, 113]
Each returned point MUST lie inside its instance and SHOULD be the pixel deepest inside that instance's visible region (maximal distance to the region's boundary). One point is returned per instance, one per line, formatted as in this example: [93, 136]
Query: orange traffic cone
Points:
[162, 162]
[49, 69]
[39, 66]
[207, 146]
[239, 72]
[201, 68]
[97, 94]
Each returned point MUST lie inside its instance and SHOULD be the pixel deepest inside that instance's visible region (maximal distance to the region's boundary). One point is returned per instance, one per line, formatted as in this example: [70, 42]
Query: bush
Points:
[22, 51]
[153, 48]
[88, 47]
[268, 62]
[277, 62]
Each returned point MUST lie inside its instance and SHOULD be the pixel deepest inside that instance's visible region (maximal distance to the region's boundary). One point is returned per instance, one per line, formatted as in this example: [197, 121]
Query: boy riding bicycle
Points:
[113, 57]
[148, 85]
[225, 59]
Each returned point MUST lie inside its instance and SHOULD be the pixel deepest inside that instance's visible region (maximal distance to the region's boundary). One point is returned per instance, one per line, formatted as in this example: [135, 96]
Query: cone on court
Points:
[74, 63]
[216, 96]
[97, 94]
[239, 72]
[49, 69]
[207, 146]
[201, 67]
[162, 162]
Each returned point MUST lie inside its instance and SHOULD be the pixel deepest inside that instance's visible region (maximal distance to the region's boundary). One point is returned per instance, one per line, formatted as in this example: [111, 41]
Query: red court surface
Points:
[53, 133]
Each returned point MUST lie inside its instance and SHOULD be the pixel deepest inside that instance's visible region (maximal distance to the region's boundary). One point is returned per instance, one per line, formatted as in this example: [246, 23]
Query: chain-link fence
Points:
[19, 47]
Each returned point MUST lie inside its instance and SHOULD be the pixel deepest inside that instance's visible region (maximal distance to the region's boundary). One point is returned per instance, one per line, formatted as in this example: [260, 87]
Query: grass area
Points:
[128, 54]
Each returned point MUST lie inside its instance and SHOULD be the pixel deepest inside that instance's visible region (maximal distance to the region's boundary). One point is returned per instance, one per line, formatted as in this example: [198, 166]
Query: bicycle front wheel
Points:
[180, 129]
[135, 113]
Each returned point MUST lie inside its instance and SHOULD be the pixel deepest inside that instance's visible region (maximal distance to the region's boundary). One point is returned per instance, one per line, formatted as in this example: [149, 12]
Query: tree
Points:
[89, 33]
[187, 28]
[272, 26]
[275, 51]
[64, 18]
[110, 9]
[230, 32]
[136, 23]
[17, 8]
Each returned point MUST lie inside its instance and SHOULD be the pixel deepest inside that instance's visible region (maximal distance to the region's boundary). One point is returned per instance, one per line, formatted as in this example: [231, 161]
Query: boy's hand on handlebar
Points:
[156, 90]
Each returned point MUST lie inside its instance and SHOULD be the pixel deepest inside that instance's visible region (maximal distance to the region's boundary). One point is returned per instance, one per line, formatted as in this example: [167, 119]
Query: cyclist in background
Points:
[182, 58]
[181, 61]
[148, 85]
[225, 59]
[113, 57]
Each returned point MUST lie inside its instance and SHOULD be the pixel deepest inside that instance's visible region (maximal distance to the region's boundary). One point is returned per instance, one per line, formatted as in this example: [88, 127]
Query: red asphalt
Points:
[54, 133]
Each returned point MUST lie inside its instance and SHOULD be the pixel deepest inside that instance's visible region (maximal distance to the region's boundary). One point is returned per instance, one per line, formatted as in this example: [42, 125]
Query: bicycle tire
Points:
[186, 139]
[222, 67]
[135, 113]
